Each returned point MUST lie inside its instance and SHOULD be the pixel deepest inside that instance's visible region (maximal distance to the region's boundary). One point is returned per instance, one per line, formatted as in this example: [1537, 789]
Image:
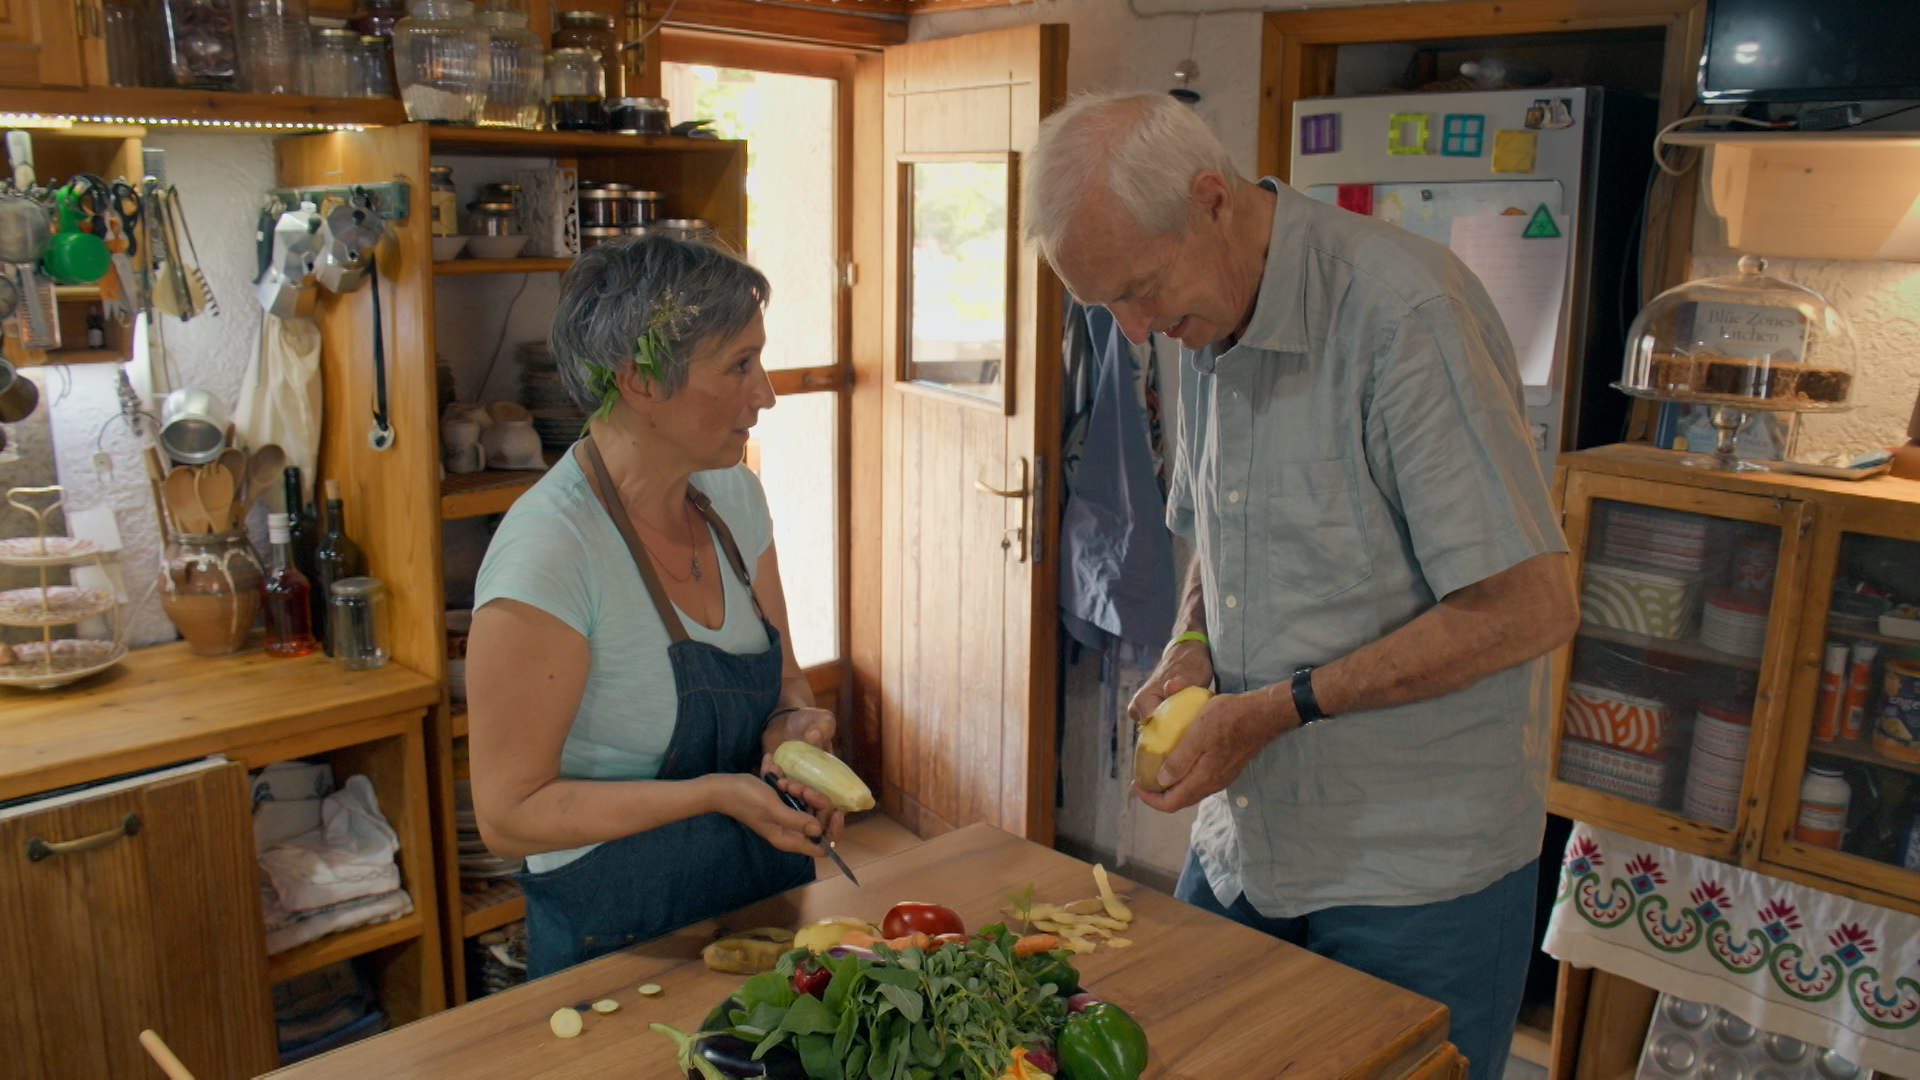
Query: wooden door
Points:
[965, 376]
[40, 42]
[152, 922]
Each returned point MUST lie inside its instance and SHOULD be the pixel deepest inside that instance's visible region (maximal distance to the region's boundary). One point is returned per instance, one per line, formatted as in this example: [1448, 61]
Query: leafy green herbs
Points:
[651, 352]
[954, 1013]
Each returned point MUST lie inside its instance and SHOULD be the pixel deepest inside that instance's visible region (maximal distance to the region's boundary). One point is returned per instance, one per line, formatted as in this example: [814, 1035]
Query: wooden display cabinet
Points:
[396, 499]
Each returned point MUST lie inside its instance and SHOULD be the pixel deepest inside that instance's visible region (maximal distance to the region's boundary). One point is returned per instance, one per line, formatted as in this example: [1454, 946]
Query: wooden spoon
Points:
[214, 485]
[235, 461]
[264, 479]
[183, 501]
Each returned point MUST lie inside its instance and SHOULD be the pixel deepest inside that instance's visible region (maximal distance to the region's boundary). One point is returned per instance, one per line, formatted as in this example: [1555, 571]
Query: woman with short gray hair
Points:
[628, 670]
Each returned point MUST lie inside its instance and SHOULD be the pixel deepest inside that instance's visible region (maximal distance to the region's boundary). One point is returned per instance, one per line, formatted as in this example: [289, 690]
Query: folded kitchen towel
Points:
[344, 916]
[349, 856]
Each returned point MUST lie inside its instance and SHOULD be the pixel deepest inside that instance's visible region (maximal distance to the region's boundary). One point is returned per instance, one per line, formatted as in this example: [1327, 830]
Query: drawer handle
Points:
[38, 849]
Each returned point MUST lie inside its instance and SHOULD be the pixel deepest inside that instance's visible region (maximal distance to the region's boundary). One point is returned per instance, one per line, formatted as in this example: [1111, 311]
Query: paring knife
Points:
[800, 804]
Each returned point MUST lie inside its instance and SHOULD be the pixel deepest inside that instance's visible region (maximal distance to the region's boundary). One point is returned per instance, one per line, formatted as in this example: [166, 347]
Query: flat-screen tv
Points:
[1811, 50]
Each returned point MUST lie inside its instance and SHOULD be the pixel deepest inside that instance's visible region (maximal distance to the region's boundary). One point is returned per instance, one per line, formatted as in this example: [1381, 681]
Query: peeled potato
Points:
[827, 933]
[1162, 731]
[566, 1023]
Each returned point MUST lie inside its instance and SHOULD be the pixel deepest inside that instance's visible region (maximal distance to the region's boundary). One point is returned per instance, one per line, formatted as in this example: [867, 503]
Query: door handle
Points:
[38, 849]
[1021, 492]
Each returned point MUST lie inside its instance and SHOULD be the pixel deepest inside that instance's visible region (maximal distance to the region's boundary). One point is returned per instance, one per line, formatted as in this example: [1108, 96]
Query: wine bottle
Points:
[303, 538]
[285, 591]
[338, 556]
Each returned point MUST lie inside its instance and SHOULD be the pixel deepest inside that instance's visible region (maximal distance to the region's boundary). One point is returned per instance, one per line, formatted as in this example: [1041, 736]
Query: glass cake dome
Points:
[1741, 343]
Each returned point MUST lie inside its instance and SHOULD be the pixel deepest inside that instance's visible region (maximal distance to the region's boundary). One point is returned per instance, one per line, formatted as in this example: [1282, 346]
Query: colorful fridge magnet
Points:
[1407, 132]
[1463, 135]
[1550, 114]
[1355, 197]
[1320, 133]
[1513, 151]
[1541, 226]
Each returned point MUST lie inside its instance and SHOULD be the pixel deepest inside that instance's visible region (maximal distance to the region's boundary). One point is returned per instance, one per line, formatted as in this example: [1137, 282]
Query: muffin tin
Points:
[1691, 1041]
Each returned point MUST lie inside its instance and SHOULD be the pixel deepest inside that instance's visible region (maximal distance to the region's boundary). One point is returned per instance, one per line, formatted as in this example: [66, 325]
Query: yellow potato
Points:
[827, 933]
[566, 1022]
[1162, 731]
[1119, 943]
[649, 990]
[606, 1005]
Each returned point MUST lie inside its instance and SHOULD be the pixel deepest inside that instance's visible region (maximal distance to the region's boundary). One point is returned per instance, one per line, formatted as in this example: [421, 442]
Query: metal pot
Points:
[193, 425]
[25, 229]
[18, 395]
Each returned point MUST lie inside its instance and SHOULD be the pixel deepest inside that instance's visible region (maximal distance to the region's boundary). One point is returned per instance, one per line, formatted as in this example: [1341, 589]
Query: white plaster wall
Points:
[221, 178]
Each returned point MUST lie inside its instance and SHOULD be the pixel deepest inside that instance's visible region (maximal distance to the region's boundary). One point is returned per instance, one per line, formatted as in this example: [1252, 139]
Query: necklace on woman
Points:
[692, 545]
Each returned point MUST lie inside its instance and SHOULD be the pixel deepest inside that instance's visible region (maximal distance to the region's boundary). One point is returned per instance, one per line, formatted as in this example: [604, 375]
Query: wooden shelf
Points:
[442, 137]
[489, 491]
[344, 945]
[37, 358]
[501, 266]
[1842, 630]
[1861, 750]
[1690, 648]
[1807, 139]
[500, 903]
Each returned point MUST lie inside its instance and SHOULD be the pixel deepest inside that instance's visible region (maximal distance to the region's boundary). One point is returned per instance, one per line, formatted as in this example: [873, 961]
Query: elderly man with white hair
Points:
[1379, 572]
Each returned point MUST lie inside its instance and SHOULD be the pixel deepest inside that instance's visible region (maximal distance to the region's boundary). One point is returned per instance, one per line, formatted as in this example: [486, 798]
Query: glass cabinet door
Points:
[1849, 778]
[1675, 655]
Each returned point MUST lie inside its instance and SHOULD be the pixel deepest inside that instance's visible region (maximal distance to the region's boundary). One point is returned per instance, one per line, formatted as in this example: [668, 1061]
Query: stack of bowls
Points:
[1735, 621]
[1715, 767]
[556, 417]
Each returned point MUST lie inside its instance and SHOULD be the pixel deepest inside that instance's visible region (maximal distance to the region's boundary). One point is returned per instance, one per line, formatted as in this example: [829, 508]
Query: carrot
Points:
[1035, 943]
[859, 939]
[908, 941]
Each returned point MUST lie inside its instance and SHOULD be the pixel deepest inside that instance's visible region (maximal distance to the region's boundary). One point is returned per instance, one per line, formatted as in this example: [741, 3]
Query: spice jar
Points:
[490, 219]
[638, 116]
[336, 63]
[513, 87]
[593, 31]
[594, 236]
[1824, 796]
[444, 198]
[210, 589]
[600, 208]
[357, 622]
[692, 230]
[576, 90]
[440, 60]
[647, 206]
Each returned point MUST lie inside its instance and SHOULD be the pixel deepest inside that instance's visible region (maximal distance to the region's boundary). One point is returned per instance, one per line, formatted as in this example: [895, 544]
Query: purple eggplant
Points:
[719, 1056]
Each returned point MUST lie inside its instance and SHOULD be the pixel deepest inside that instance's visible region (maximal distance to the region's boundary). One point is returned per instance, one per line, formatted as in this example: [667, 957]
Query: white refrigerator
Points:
[1539, 191]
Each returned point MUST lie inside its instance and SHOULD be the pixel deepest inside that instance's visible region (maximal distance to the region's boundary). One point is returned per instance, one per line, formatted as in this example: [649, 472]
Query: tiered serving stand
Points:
[54, 661]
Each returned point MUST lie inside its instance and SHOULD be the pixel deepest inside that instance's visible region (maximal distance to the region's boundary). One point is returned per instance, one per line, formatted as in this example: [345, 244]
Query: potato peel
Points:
[1112, 903]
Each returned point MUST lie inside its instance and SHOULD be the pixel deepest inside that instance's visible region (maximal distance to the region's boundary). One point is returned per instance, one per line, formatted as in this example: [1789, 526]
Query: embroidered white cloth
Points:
[1783, 957]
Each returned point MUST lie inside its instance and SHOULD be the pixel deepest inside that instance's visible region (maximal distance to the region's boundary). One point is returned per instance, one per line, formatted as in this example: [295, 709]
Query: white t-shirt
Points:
[557, 550]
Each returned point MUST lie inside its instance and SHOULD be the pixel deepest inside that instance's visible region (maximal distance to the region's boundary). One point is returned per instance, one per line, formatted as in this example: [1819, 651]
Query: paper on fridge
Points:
[1526, 276]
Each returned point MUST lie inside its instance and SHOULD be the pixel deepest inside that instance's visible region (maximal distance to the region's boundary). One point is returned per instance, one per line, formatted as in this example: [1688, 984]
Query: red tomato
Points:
[929, 919]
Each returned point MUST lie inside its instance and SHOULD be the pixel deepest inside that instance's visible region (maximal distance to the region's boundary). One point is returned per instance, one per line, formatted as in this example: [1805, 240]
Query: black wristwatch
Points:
[1304, 702]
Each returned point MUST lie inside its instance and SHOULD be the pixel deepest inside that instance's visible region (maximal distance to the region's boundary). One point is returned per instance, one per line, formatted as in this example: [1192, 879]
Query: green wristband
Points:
[1191, 635]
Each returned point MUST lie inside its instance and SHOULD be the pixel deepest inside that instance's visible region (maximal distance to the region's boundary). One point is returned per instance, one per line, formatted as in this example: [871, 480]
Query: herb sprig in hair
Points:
[651, 353]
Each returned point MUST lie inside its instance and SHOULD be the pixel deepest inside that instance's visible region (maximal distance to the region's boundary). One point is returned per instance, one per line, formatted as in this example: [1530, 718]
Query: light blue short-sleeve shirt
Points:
[1359, 453]
[557, 550]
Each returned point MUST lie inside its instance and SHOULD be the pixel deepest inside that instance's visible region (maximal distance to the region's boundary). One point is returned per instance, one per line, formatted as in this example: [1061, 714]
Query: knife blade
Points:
[799, 804]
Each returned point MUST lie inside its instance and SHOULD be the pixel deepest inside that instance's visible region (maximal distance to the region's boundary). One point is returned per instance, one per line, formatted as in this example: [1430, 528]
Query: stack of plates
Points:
[1735, 621]
[556, 417]
[1657, 537]
[475, 860]
[1714, 769]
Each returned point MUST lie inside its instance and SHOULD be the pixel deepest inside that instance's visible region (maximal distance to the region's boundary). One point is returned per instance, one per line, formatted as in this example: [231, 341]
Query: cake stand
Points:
[54, 661]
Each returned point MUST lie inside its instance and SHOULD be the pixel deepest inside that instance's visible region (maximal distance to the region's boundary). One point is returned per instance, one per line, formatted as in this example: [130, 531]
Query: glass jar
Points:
[592, 236]
[593, 31]
[514, 70]
[692, 230]
[134, 44]
[357, 623]
[490, 219]
[445, 200]
[210, 588]
[440, 62]
[638, 116]
[378, 17]
[576, 90]
[275, 49]
[374, 68]
[1824, 796]
[336, 63]
[647, 206]
[202, 43]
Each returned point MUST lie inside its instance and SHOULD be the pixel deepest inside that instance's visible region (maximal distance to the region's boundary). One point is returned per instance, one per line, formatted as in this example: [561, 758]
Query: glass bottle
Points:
[210, 589]
[287, 596]
[576, 90]
[1824, 796]
[375, 66]
[336, 63]
[593, 31]
[201, 43]
[359, 617]
[513, 82]
[303, 535]
[275, 52]
[337, 557]
[440, 62]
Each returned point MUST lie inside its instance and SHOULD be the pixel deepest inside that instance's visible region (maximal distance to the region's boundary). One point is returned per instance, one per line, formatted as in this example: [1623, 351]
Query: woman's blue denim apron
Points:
[648, 884]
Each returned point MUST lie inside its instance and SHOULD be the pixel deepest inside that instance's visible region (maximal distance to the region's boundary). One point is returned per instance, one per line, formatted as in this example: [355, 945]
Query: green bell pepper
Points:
[1101, 1042]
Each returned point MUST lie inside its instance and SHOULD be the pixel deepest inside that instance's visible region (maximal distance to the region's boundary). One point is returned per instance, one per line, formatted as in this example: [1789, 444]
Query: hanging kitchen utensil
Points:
[37, 300]
[199, 292]
[346, 243]
[74, 256]
[123, 220]
[168, 289]
[287, 290]
[380, 436]
[25, 226]
[9, 297]
[193, 425]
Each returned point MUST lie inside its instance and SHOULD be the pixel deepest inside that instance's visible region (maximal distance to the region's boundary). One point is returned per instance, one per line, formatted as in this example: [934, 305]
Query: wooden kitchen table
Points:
[1218, 1001]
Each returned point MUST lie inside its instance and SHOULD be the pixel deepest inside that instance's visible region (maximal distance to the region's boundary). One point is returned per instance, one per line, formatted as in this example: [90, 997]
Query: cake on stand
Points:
[53, 661]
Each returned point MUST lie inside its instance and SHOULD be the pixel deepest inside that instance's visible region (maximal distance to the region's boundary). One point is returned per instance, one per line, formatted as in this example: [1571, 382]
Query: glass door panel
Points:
[1665, 669]
[1860, 790]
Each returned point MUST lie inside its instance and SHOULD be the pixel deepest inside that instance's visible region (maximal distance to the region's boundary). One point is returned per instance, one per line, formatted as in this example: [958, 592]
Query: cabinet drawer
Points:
[134, 908]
